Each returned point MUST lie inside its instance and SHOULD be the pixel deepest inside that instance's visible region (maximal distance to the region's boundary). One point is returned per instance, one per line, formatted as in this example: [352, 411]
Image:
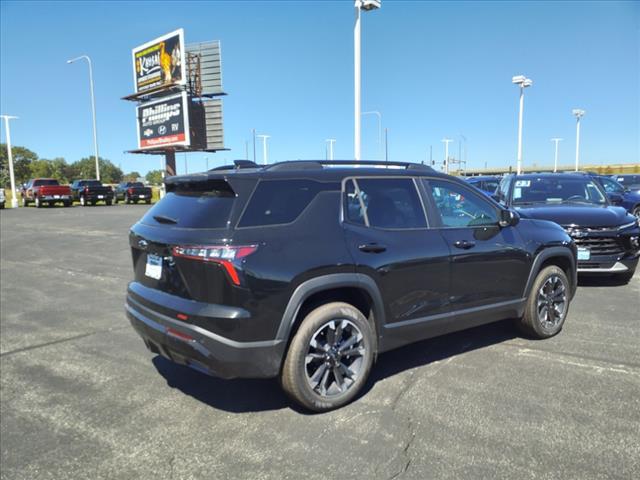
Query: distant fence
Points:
[611, 169]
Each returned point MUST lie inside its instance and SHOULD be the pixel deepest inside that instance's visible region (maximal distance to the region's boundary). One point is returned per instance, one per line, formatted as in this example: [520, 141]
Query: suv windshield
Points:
[557, 189]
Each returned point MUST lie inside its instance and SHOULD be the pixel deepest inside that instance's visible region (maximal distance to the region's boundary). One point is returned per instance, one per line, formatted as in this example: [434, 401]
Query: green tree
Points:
[154, 177]
[22, 158]
[132, 176]
[86, 168]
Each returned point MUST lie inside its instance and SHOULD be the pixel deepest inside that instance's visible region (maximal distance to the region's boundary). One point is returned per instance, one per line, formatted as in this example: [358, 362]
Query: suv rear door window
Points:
[277, 202]
[387, 202]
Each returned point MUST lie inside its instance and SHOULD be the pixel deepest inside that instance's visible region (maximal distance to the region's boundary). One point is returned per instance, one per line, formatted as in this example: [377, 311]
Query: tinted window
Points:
[490, 185]
[193, 209]
[561, 188]
[48, 181]
[136, 184]
[388, 203]
[277, 202]
[611, 186]
[355, 212]
[503, 189]
[460, 207]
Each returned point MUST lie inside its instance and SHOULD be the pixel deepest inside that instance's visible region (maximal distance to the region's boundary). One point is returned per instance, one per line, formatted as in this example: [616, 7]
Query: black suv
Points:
[607, 237]
[307, 270]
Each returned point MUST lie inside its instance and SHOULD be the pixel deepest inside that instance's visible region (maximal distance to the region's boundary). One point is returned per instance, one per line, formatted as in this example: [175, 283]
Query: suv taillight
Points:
[130, 191]
[86, 189]
[221, 254]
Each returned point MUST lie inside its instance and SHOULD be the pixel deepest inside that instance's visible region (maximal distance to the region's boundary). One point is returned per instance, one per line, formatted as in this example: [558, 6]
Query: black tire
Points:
[115, 200]
[297, 372]
[83, 201]
[68, 203]
[25, 202]
[636, 213]
[108, 203]
[625, 277]
[558, 297]
[38, 202]
[127, 200]
[148, 202]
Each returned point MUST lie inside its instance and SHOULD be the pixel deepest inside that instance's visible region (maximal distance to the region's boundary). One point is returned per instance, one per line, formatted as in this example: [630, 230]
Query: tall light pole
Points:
[446, 142]
[379, 115]
[93, 110]
[330, 141]
[265, 158]
[253, 132]
[578, 113]
[523, 82]
[359, 6]
[14, 196]
[555, 161]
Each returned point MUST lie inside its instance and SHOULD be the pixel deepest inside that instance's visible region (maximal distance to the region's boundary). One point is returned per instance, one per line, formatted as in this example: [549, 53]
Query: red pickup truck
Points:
[45, 190]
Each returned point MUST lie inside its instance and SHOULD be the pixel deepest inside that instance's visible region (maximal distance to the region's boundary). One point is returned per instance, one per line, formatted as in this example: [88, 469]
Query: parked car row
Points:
[48, 191]
[307, 273]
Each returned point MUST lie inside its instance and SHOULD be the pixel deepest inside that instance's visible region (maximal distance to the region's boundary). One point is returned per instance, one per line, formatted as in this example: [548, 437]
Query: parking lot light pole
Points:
[523, 82]
[446, 142]
[578, 113]
[379, 115]
[93, 110]
[555, 161]
[14, 196]
[265, 158]
[330, 141]
[365, 5]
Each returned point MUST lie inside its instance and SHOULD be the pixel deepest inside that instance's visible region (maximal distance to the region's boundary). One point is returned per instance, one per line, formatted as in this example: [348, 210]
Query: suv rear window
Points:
[277, 202]
[46, 181]
[195, 205]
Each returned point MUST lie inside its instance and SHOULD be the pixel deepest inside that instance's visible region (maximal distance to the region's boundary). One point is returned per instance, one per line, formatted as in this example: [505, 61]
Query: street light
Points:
[446, 142]
[578, 113]
[555, 162]
[330, 141]
[379, 115]
[14, 196]
[523, 82]
[365, 5]
[265, 159]
[93, 110]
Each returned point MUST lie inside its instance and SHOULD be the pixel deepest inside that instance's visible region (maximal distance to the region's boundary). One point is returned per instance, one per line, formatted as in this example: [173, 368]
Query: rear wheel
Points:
[127, 199]
[108, 202]
[68, 203]
[548, 303]
[148, 201]
[83, 201]
[115, 200]
[25, 202]
[329, 358]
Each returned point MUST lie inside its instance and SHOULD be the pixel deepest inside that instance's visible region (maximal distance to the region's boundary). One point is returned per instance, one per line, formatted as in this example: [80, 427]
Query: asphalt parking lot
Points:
[82, 398]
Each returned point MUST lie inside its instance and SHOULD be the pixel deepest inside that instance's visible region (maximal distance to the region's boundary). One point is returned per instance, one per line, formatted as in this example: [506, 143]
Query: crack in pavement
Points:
[61, 340]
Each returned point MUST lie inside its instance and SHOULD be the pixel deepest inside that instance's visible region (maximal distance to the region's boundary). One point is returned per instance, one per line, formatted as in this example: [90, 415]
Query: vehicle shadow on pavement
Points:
[596, 281]
[254, 395]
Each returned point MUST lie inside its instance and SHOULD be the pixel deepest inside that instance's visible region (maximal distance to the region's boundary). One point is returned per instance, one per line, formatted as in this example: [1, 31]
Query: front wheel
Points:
[636, 212]
[548, 304]
[329, 358]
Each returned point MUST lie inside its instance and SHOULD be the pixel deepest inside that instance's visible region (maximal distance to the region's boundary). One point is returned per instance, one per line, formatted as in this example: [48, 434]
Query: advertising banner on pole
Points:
[164, 122]
[160, 63]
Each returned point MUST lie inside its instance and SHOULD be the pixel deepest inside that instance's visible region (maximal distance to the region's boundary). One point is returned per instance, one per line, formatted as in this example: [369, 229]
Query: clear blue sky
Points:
[433, 69]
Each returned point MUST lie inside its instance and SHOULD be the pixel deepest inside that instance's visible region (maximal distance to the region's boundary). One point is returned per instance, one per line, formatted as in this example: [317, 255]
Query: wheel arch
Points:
[560, 256]
[353, 288]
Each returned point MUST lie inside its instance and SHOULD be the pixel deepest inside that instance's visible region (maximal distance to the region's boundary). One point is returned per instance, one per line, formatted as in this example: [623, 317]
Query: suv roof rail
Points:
[236, 165]
[316, 164]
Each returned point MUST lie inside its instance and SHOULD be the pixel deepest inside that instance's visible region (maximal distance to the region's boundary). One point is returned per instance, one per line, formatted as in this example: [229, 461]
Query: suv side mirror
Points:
[508, 218]
[615, 198]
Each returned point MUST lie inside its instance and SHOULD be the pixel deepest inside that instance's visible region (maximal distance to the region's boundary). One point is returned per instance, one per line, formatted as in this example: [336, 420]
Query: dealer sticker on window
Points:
[584, 254]
[154, 267]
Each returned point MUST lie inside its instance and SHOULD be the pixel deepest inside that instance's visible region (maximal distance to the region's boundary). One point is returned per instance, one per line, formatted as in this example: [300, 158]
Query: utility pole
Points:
[386, 144]
[578, 113]
[330, 142]
[555, 162]
[446, 142]
[523, 82]
[254, 145]
[265, 158]
[14, 196]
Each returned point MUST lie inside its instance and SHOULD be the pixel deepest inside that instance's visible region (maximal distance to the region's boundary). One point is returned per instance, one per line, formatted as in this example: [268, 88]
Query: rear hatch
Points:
[184, 244]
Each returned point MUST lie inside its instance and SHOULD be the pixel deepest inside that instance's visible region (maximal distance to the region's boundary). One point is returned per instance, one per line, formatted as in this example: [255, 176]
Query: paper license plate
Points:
[584, 254]
[100, 196]
[141, 196]
[154, 267]
[56, 196]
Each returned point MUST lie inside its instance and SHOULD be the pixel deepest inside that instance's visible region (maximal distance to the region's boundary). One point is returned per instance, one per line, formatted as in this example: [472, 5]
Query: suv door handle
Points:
[464, 244]
[372, 248]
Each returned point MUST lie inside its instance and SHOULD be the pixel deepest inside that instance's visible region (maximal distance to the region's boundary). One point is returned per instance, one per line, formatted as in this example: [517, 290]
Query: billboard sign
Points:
[164, 122]
[160, 63]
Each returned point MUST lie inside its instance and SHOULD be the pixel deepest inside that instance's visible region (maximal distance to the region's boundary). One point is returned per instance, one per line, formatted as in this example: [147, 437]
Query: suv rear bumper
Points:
[200, 349]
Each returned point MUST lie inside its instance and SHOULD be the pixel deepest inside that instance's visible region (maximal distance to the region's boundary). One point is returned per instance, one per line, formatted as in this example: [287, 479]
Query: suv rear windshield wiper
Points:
[164, 219]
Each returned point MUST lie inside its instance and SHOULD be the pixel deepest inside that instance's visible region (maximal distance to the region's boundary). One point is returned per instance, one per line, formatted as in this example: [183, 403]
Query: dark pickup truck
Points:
[45, 191]
[132, 192]
[90, 192]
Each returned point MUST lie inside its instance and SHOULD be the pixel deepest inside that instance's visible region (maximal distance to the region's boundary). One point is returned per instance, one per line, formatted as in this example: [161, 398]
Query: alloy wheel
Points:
[335, 358]
[552, 302]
